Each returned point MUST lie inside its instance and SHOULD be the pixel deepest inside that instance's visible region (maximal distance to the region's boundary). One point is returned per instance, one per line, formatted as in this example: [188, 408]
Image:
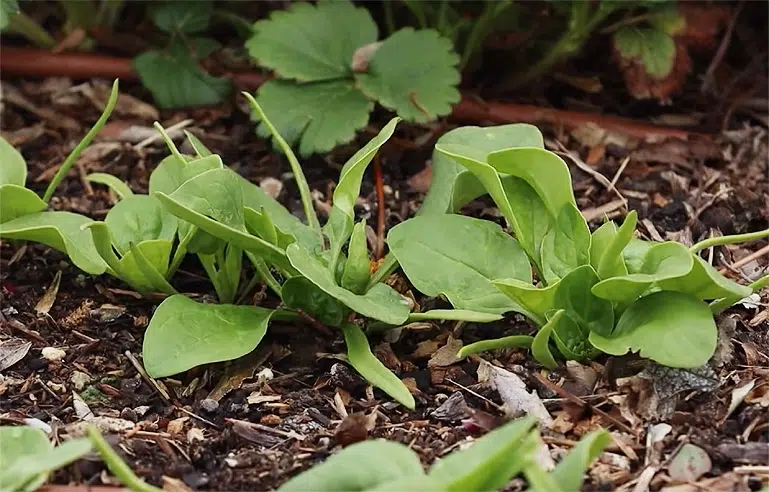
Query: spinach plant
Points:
[23, 214]
[488, 464]
[604, 291]
[330, 76]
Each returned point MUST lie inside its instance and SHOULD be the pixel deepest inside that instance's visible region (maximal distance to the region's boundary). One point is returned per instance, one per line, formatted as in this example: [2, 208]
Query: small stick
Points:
[147, 377]
[744, 261]
[380, 198]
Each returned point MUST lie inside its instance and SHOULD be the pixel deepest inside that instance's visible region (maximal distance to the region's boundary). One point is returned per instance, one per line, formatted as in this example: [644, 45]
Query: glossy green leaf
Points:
[223, 269]
[566, 246]
[139, 218]
[607, 244]
[635, 253]
[423, 483]
[652, 49]
[27, 457]
[261, 224]
[536, 301]
[17, 201]
[452, 185]
[671, 328]
[458, 257]
[533, 219]
[381, 302]
[571, 340]
[490, 463]
[705, 283]
[182, 16]
[365, 362]
[171, 173]
[359, 467]
[300, 293]
[200, 149]
[590, 312]
[570, 472]
[183, 334]
[13, 167]
[357, 270]
[113, 183]
[540, 346]
[455, 315]
[513, 341]
[154, 265]
[61, 231]
[662, 261]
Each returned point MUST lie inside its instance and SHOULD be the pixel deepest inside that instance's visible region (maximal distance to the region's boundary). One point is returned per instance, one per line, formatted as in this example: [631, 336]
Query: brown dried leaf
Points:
[689, 464]
[45, 303]
[12, 351]
[446, 355]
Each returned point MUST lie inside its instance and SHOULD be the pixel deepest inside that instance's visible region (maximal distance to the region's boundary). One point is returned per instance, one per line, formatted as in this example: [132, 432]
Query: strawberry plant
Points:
[331, 68]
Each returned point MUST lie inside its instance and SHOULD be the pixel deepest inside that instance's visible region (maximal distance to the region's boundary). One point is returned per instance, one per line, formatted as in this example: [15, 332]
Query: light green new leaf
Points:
[365, 362]
[566, 246]
[120, 188]
[414, 74]
[607, 245]
[533, 219]
[653, 49]
[139, 218]
[452, 185]
[300, 293]
[671, 328]
[634, 254]
[359, 467]
[312, 43]
[8, 9]
[591, 313]
[661, 262]
[200, 149]
[27, 457]
[175, 80]
[540, 346]
[570, 472]
[13, 168]
[17, 201]
[536, 301]
[183, 334]
[490, 463]
[171, 173]
[571, 340]
[513, 341]
[705, 283]
[455, 315]
[61, 231]
[317, 116]
[381, 302]
[423, 483]
[357, 270]
[459, 257]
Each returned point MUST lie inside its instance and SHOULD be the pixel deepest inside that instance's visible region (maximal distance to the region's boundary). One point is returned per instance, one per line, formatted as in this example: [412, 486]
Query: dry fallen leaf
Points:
[12, 351]
[517, 400]
[45, 303]
[689, 464]
[446, 355]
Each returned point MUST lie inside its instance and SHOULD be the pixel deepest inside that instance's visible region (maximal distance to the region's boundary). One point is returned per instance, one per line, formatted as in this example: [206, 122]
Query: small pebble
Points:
[79, 379]
[142, 410]
[128, 414]
[53, 354]
[270, 419]
[271, 186]
[209, 405]
[130, 385]
[196, 480]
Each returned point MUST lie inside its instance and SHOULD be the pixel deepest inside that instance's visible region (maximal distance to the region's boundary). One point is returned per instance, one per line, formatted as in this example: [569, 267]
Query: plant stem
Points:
[385, 269]
[64, 169]
[263, 270]
[389, 17]
[760, 283]
[296, 168]
[23, 25]
[117, 466]
[723, 240]
[480, 30]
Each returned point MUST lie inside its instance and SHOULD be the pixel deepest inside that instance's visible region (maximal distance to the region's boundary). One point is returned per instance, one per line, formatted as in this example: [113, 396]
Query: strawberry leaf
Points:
[651, 48]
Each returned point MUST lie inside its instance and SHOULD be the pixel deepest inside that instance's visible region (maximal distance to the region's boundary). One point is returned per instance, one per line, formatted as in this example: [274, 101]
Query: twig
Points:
[315, 323]
[196, 416]
[157, 136]
[478, 395]
[744, 261]
[596, 212]
[380, 198]
[589, 170]
[163, 394]
[270, 430]
[621, 169]
[708, 79]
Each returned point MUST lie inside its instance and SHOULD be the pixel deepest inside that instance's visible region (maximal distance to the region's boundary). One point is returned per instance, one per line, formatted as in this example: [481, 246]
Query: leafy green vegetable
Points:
[120, 188]
[653, 49]
[300, 293]
[17, 201]
[535, 301]
[356, 272]
[705, 283]
[363, 360]
[606, 247]
[566, 246]
[183, 334]
[591, 313]
[459, 257]
[671, 328]
[14, 168]
[540, 346]
[569, 473]
[513, 341]
[182, 16]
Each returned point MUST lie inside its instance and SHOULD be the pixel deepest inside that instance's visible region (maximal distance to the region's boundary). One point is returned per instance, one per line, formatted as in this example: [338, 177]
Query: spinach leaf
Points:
[458, 257]
[661, 261]
[672, 328]
[300, 293]
[531, 215]
[223, 268]
[172, 172]
[357, 270]
[535, 301]
[14, 168]
[591, 313]
[139, 218]
[61, 231]
[184, 334]
[363, 360]
[569, 473]
[381, 302]
[17, 201]
[705, 283]
[452, 185]
[566, 246]
[540, 346]
[607, 245]
[118, 187]
[513, 341]
[361, 466]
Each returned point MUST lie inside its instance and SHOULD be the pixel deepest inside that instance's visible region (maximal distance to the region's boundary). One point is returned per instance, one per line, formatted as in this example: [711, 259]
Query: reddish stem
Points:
[380, 198]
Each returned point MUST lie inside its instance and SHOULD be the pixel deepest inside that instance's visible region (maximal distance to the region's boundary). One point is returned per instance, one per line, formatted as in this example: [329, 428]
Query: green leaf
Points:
[200, 149]
[570, 472]
[571, 339]
[17, 201]
[363, 360]
[27, 457]
[422, 483]
[223, 269]
[667, 19]
[671, 328]
[357, 270]
[414, 74]
[151, 260]
[171, 173]
[300, 293]
[653, 49]
[175, 80]
[312, 43]
[591, 313]
[213, 202]
[458, 257]
[455, 315]
[513, 341]
[490, 463]
[184, 334]
[381, 302]
[540, 346]
[61, 231]
[635, 253]
[662, 261]
[120, 188]
[8, 8]
[13, 169]
[317, 116]
[536, 301]
[607, 244]
[532, 217]
[705, 283]
[139, 218]
[452, 185]
[566, 246]
[182, 16]
[260, 224]
[361, 466]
